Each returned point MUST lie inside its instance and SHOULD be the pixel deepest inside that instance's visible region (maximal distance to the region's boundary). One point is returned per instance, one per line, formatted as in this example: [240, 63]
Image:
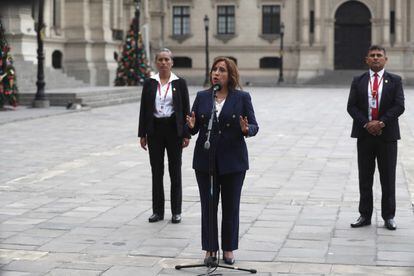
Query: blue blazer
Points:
[391, 106]
[227, 140]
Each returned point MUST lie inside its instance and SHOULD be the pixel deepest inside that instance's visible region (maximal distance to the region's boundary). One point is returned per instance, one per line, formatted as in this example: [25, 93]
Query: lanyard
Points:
[166, 91]
[374, 93]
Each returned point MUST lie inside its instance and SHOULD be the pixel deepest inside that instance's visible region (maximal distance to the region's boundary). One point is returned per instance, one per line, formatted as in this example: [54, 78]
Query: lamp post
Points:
[282, 33]
[136, 34]
[207, 77]
[40, 97]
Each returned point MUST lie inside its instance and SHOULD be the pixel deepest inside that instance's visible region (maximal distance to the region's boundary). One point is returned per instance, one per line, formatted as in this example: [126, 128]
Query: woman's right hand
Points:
[191, 120]
[143, 142]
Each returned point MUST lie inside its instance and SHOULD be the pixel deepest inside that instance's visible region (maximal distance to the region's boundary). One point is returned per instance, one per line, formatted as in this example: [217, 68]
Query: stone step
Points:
[335, 78]
[26, 72]
[91, 96]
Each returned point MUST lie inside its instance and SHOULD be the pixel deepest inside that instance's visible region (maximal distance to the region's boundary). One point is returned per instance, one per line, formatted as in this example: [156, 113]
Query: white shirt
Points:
[219, 107]
[164, 106]
[370, 85]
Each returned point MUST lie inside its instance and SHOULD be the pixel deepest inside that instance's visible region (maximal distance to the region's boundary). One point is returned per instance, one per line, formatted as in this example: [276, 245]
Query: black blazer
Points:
[227, 139]
[181, 104]
[391, 106]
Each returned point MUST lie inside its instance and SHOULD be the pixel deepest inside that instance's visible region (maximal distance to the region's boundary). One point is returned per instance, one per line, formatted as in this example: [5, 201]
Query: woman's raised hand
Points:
[191, 120]
[244, 125]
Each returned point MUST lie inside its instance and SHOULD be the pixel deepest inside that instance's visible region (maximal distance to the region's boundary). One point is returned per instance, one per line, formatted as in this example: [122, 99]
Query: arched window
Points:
[57, 59]
[270, 62]
[182, 62]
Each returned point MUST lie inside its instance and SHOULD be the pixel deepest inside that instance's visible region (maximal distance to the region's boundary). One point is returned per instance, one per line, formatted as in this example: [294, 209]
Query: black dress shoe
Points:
[390, 224]
[229, 261]
[361, 221]
[176, 218]
[155, 218]
[211, 259]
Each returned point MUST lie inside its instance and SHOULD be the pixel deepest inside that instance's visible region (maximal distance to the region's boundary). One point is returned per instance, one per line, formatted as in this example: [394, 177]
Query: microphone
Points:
[217, 87]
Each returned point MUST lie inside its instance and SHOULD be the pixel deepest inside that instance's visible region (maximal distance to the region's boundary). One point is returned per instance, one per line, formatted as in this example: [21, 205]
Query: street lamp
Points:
[136, 34]
[282, 33]
[207, 77]
[40, 97]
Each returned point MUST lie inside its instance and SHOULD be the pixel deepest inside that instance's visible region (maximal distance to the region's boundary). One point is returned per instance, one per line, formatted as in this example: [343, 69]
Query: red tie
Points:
[375, 86]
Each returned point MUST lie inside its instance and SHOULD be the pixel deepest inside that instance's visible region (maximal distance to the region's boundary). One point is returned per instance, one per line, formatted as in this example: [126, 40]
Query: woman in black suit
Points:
[164, 105]
[234, 121]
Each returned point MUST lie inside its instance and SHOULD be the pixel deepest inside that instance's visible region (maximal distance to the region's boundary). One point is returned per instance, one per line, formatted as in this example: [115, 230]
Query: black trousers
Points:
[230, 186]
[370, 149]
[165, 138]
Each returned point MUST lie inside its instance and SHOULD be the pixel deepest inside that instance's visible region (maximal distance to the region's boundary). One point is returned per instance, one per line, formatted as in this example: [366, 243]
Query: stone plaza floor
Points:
[75, 194]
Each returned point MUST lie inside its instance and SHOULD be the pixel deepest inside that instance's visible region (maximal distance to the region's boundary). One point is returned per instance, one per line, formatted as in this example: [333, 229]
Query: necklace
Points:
[219, 100]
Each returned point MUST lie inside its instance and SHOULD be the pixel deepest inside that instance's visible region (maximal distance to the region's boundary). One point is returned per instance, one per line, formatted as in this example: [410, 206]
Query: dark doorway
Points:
[57, 59]
[352, 35]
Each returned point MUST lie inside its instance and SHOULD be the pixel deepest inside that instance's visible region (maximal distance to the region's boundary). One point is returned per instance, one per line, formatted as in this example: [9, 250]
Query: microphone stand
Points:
[211, 264]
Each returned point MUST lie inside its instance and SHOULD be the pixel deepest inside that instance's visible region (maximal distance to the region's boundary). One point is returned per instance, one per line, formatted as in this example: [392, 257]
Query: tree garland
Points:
[8, 86]
[133, 67]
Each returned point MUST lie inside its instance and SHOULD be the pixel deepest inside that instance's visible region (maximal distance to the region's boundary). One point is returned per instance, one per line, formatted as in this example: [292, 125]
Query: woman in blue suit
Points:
[234, 121]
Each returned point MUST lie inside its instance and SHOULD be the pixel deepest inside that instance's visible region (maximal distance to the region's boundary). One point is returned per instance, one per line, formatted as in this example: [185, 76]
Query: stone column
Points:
[102, 45]
[20, 33]
[305, 22]
[411, 23]
[398, 22]
[89, 48]
[318, 21]
[146, 28]
[78, 50]
[386, 23]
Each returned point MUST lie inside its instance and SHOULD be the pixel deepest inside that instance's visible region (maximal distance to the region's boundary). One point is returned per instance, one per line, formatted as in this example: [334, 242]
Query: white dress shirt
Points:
[370, 85]
[164, 106]
[219, 107]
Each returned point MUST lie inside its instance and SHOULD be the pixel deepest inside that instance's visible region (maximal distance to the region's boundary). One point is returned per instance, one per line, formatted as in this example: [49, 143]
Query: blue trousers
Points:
[230, 186]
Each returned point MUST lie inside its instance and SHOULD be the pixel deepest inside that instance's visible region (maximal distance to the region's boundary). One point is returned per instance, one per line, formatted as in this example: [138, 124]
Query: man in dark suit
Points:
[376, 100]
[165, 104]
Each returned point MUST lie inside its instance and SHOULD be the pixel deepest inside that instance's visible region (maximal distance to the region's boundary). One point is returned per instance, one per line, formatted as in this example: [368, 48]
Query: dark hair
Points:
[233, 72]
[377, 48]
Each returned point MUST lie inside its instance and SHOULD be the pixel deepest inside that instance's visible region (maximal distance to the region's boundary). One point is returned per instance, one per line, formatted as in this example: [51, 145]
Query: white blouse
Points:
[219, 107]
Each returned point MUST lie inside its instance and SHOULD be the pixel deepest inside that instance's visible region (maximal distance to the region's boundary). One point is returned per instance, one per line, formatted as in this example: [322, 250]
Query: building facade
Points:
[80, 36]
[320, 36]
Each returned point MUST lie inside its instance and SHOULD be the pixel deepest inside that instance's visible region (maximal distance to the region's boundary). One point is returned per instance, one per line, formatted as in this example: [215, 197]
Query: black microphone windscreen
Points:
[217, 87]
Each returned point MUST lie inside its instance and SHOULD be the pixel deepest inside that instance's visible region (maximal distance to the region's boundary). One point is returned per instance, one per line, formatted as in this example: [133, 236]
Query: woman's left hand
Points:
[186, 142]
[244, 125]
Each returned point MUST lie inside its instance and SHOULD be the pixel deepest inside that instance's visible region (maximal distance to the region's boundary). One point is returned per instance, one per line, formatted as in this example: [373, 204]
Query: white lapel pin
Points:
[386, 81]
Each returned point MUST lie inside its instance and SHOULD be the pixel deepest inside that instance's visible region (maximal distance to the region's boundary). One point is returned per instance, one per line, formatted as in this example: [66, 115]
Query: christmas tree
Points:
[8, 87]
[133, 68]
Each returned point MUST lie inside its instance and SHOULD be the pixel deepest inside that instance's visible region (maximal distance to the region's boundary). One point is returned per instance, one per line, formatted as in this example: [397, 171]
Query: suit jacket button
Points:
[219, 131]
[227, 124]
[202, 115]
[234, 116]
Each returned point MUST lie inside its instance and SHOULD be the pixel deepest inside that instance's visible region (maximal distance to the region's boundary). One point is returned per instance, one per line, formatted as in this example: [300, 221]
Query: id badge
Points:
[373, 103]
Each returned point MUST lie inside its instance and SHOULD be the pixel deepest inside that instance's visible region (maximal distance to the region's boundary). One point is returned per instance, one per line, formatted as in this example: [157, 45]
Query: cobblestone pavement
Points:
[75, 194]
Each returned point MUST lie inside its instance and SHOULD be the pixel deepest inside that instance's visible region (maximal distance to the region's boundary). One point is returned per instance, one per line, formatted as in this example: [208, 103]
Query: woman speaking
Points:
[234, 121]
